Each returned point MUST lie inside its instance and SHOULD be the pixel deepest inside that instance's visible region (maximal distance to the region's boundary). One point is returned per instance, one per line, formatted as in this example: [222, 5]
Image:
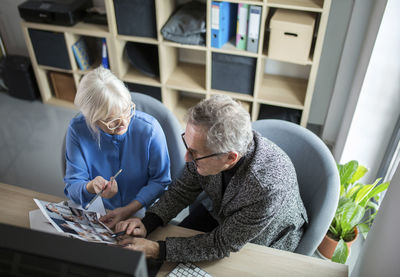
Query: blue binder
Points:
[223, 21]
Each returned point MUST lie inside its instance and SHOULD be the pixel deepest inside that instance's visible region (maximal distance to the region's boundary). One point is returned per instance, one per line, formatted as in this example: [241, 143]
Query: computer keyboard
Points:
[188, 269]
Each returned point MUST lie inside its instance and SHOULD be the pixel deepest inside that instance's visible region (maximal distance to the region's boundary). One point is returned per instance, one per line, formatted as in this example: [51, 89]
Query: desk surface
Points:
[251, 260]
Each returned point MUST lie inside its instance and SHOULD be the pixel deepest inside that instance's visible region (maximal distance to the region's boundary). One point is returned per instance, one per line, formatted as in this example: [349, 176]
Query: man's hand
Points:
[115, 216]
[150, 248]
[132, 226]
[98, 183]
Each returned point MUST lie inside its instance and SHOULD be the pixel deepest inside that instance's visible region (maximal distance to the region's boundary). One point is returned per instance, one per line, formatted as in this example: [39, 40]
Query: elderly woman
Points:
[110, 135]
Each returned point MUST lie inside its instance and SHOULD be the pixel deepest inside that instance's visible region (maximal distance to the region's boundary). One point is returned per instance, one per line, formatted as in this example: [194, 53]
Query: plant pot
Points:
[328, 245]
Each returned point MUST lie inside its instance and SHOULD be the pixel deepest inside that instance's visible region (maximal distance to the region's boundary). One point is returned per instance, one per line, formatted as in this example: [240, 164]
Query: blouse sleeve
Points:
[77, 174]
[158, 170]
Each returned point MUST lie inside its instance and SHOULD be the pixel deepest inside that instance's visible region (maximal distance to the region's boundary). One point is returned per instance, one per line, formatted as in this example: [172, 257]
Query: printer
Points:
[58, 12]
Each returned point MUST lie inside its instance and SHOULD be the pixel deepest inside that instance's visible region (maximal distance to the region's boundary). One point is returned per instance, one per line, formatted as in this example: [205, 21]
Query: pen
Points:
[100, 192]
[118, 234]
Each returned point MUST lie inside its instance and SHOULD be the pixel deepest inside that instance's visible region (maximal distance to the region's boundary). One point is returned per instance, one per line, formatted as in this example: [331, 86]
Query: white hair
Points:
[100, 93]
[227, 122]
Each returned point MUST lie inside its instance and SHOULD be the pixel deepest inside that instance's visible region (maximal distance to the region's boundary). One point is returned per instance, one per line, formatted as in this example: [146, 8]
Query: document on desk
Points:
[75, 222]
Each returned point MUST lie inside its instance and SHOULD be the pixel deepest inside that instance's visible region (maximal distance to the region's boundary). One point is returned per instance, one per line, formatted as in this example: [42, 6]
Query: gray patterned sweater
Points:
[261, 204]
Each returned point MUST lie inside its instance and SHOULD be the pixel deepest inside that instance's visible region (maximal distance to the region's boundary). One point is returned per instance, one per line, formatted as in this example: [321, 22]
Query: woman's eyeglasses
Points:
[115, 123]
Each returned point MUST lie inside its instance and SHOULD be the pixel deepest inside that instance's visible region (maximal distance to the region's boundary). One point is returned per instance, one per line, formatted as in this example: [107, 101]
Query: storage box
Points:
[63, 86]
[291, 36]
[50, 48]
[148, 90]
[274, 112]
[136, 18]
[233, 73]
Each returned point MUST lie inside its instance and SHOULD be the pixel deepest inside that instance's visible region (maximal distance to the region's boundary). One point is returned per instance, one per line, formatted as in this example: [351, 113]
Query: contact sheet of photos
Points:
[78, 223]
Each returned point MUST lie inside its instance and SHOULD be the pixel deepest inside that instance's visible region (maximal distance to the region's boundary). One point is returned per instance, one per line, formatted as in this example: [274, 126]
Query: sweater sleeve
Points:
[230, 236]
[181, 193]
[76, 175]
[158, 170]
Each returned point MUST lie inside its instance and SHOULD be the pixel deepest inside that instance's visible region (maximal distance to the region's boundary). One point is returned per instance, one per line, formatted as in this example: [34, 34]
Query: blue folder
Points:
[223, 22]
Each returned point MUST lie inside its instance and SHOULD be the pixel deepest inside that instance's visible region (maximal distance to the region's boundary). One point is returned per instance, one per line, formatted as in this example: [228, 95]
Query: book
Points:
[81, 54]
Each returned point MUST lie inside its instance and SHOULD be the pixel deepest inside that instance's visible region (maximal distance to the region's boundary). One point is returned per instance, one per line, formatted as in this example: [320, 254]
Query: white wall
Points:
[10, 27]
[355, 44]
[335, 35]
[378, 103]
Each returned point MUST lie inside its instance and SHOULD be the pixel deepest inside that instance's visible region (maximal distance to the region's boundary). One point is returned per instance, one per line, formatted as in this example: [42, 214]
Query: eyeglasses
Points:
[115, 123]
[195, 160]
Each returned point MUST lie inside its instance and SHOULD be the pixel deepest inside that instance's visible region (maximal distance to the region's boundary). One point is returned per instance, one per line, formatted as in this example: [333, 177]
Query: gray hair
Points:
[99, 94]
[227, 122]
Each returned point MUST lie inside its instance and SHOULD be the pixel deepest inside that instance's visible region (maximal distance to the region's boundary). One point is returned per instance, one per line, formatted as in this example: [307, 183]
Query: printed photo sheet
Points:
[78, 223]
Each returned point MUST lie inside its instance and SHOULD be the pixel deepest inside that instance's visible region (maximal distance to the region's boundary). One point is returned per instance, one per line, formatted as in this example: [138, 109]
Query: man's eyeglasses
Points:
[195, 160]
[115, 123]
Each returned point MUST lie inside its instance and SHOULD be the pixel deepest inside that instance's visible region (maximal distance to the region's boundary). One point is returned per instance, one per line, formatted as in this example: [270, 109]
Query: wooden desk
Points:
[251, 260]
[16, 202]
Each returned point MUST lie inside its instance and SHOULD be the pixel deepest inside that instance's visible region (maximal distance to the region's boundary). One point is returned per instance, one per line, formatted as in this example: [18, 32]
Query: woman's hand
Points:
[132, 226]
[98, 183]
[115, 216]
[150, 248]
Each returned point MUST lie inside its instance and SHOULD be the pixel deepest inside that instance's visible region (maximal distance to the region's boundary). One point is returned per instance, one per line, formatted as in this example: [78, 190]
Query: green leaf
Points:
[352, 215]
[360, 172]
[364, 229]
[353, 190]
[362, 193]
[341, 252]
[378, 189]
[374, 192]
[372, 206]
[346, 172]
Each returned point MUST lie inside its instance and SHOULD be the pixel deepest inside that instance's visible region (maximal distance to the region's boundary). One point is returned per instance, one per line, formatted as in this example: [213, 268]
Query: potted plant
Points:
[356, 210]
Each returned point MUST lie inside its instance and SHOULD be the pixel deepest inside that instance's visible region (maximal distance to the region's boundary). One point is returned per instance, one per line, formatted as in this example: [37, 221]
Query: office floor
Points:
[31, 136]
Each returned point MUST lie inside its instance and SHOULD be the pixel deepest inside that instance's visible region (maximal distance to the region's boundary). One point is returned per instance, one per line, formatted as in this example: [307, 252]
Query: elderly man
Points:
[251, 182]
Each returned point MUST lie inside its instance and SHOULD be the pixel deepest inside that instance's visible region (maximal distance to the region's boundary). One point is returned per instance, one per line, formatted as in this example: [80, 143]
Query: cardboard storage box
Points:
[63, 86]
[291, 36]
[233, 73]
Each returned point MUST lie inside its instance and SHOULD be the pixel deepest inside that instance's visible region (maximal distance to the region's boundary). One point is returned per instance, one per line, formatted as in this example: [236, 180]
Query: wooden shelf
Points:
[138, 39]
[185, 102]
[235, 95]
[309, 61]
[95, 64]
[50, 68]
[230, 48]
[61, 103]
[185, 46]
[135, 76]
[80, 28]
[301, 5]
[250, 2]
[282, 91]
[189, 77]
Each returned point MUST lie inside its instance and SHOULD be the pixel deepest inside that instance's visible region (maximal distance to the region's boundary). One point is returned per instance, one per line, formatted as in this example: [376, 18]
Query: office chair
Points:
[317, 176]
[170, 125]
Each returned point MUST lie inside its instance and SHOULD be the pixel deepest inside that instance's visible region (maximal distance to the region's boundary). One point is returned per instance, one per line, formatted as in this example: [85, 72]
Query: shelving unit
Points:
[183, 84]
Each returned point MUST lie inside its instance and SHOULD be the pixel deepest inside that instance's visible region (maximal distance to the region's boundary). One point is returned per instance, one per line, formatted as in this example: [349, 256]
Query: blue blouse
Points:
[141, 153]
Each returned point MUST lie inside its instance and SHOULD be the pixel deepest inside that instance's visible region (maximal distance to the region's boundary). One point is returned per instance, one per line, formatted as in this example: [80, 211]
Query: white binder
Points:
[254, 28]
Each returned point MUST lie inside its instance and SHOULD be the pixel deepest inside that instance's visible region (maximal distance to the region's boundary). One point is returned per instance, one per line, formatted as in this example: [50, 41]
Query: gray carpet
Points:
[31, 135]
